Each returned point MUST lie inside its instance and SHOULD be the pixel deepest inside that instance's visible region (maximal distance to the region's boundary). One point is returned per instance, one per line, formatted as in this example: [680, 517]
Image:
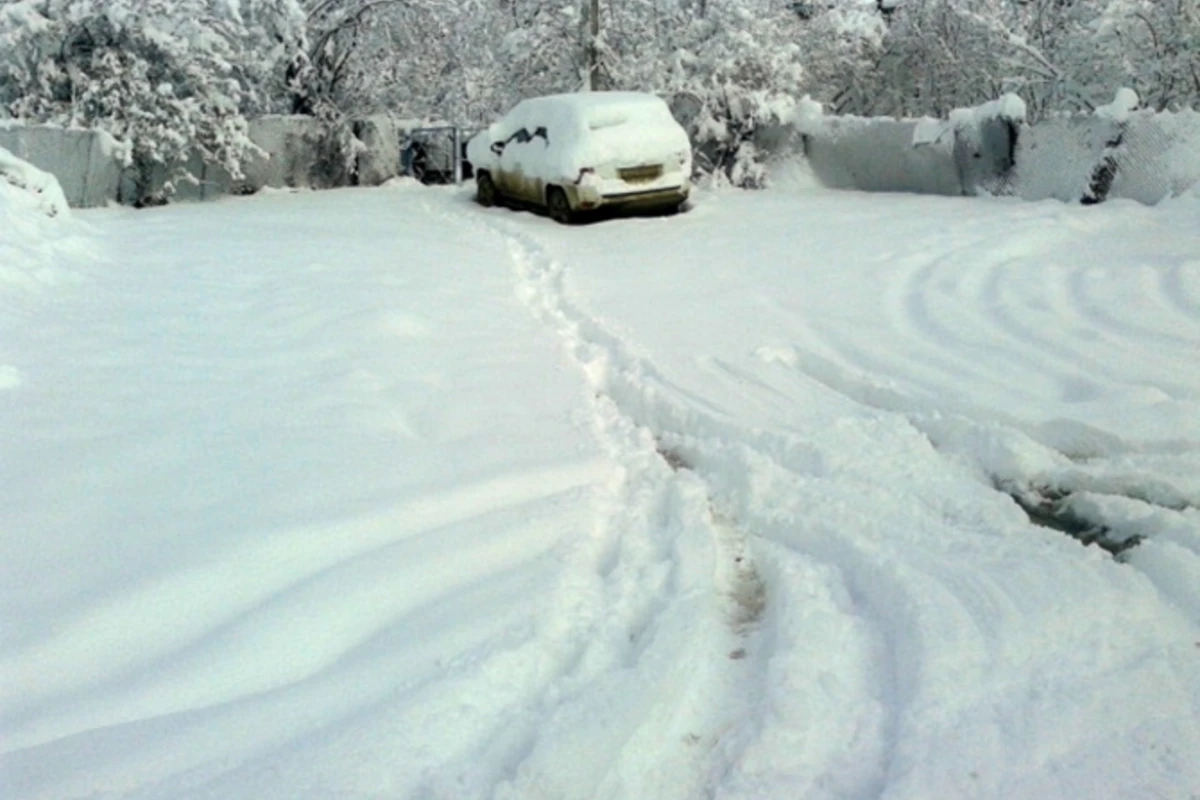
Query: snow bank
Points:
[1009, 107]
[37, 232]
[1123, 105]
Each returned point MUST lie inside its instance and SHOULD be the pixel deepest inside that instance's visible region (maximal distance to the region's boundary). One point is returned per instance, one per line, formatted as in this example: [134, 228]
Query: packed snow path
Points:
[373, 494]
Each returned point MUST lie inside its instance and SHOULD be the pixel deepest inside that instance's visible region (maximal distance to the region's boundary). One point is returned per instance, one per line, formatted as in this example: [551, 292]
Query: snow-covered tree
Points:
[1059, 55]
[271, 49]
[170, 77]
[1155, 46]
[730, 71]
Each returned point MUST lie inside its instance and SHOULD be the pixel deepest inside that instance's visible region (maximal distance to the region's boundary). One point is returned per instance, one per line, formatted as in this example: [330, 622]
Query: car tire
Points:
[485, 190]
[559, 206]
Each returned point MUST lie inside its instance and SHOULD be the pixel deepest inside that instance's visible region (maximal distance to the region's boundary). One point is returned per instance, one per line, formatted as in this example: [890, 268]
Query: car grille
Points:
[644, 174]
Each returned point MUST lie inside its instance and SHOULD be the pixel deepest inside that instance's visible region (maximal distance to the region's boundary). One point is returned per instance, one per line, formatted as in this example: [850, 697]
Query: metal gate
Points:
[435, 155]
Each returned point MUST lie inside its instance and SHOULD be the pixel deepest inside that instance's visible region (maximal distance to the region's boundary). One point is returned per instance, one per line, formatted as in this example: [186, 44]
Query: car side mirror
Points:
[497, 147]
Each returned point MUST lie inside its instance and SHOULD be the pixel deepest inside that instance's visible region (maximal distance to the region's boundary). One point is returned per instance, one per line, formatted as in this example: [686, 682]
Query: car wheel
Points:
[485, 190]
[558, 206]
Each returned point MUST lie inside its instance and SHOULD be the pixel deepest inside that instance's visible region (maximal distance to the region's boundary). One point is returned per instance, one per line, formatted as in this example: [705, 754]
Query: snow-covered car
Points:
[572, 153]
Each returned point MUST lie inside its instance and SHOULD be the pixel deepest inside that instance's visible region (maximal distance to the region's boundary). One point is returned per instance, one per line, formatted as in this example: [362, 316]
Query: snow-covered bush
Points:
[727, 74]
[35, 230]
[37, 188]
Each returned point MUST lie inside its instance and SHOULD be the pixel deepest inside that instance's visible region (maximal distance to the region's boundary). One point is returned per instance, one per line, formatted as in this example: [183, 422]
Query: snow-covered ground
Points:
[377, 494]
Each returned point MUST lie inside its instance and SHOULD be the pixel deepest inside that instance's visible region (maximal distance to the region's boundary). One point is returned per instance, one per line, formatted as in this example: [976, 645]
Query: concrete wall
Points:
[1153, 155]
[379, 158]
[985, 154]
[293, 148]
[87, 164]
[878, 155]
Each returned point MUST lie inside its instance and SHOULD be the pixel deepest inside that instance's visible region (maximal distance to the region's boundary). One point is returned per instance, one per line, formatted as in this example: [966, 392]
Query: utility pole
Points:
[592, 49]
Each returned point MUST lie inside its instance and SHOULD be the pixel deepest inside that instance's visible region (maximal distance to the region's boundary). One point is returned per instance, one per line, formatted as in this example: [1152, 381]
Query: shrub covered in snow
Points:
[730, 74]
[24, 185]
[37, 234]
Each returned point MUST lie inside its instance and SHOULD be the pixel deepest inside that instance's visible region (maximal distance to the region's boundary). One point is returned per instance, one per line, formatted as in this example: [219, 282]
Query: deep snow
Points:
[374, 493]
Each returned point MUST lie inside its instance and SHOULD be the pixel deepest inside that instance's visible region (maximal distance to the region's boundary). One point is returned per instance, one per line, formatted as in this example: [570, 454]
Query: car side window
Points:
[541, 131]
[520, 137]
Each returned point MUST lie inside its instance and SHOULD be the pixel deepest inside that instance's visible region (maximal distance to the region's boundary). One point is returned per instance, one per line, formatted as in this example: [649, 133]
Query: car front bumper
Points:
[585, 198]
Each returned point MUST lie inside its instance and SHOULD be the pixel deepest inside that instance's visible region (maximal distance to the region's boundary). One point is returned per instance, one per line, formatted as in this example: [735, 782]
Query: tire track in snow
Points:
[724, 606]
[1180, 286]
[1001, 314]
[1139, 291]
[816, 598]
[963, 607]
[1110, 489]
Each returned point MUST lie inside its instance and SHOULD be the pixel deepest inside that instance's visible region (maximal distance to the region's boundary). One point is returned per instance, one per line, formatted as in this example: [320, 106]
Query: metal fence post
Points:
[458, 170]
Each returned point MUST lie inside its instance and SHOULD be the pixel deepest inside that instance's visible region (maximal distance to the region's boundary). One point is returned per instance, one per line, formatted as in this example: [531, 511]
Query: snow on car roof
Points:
[600, 109]
[601, 99]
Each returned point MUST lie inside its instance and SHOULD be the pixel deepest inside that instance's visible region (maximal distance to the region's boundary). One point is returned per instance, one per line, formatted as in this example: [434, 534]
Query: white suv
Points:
[571, 153]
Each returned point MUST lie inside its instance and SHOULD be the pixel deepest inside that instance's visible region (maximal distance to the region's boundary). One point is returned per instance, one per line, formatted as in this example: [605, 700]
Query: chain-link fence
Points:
[436, 155]
[1146, 157]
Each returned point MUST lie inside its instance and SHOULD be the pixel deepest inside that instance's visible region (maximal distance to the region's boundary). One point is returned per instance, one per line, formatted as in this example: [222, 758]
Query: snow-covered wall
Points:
[969, 153]
[293, 147]
[379, 155]
[878, 155]
[87, 164]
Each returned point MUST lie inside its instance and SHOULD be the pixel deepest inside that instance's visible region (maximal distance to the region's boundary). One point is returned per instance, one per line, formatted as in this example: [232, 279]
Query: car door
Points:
[523, 162]
[510, 176]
